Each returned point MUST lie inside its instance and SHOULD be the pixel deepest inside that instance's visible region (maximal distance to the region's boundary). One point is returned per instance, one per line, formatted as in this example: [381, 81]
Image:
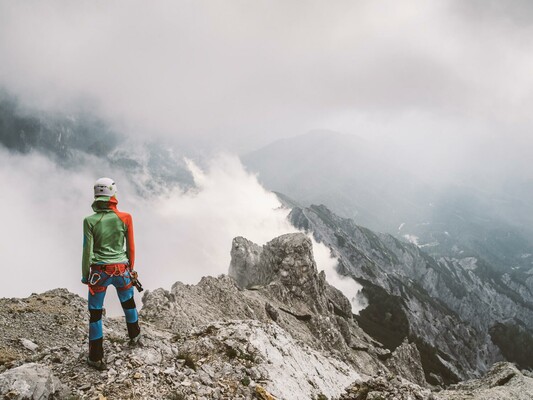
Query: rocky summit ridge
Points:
[273, 328]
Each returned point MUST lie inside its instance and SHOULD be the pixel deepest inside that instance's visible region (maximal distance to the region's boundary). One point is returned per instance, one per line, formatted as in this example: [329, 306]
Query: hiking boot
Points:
[135, 341]
[99, 365]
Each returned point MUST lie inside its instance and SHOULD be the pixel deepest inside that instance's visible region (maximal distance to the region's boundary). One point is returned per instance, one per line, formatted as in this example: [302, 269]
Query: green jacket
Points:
[107, 236]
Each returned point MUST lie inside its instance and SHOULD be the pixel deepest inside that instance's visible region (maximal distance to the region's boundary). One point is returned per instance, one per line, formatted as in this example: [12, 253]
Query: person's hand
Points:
[84, 280]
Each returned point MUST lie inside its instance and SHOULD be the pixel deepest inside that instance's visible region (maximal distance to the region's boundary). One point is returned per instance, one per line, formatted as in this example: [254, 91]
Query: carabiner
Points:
[94, 278]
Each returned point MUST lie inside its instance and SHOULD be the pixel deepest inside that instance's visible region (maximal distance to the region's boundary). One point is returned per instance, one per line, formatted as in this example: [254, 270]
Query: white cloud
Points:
[237, 73]
[188, 234]
[349, 287]
[42, 211]
[179, 235]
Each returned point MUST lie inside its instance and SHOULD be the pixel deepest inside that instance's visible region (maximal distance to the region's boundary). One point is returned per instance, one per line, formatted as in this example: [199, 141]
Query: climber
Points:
[108, 259]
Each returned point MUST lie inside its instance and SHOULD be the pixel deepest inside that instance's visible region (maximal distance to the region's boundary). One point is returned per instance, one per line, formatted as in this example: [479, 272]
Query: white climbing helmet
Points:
[105, 187]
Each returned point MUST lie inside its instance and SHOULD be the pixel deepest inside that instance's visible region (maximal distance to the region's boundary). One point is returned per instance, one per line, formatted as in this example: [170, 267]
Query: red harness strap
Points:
[110, 270]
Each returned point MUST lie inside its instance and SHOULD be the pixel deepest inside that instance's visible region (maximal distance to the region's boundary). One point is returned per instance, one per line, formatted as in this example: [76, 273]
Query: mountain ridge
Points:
[290, 335]
[360, 181]
[450, 306]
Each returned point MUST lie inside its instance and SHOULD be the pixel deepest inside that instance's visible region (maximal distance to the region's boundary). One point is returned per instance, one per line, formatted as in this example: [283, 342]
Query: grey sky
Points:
[445, 77]
[444, 86]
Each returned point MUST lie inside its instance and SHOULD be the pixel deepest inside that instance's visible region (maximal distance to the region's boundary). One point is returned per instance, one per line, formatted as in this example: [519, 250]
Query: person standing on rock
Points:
[108, 259]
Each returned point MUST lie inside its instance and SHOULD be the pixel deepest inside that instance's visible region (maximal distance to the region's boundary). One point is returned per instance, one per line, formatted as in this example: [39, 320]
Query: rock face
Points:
[288, 291]
[282, 333]
[284, 263]
[31, 381]
[401, 363]
[386, 387]
[287, 294]
[503, 382]
[286, 368]
[447, 307]
[245, 265]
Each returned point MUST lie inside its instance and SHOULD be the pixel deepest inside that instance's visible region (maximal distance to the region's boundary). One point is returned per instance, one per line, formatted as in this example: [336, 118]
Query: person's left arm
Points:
[130, 242]
[87, 251]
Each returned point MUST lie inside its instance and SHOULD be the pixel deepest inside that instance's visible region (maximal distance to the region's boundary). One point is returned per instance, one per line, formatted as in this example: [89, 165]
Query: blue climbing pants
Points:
[99, 279]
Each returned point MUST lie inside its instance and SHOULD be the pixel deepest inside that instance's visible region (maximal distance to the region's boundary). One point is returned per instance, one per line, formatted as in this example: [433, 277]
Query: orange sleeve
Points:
[130, 242]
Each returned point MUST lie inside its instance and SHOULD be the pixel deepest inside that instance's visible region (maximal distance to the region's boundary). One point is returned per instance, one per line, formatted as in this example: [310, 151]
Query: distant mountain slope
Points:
[344, 172]
[449, 307]
[72, 139]
[357, 181]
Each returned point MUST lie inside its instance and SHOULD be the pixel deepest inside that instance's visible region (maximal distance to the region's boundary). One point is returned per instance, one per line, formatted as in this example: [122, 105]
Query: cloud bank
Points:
[239, 74]
[180, 235]
[443, 87]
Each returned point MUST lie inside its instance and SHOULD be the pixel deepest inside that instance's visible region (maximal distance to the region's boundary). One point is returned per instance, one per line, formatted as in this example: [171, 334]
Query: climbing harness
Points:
[96, 281]
[111, 269]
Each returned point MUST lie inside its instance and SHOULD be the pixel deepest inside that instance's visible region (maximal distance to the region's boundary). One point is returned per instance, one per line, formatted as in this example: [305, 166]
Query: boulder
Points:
[31, 381]
[405, 361]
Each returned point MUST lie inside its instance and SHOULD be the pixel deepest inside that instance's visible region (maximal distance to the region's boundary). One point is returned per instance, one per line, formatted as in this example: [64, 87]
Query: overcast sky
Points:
[447, 85]
[435, 74]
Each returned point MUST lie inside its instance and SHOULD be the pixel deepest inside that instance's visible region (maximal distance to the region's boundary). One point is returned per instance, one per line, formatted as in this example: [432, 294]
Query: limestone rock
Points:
[405, 361]
[245, 267]
[502, 382]
[262, 394]
[447, 306]
[290, 335]
[31, 381]
[286, 260]
[386, 387]
[272, 312]
[287, 288]
[28, 344]
[290, 370]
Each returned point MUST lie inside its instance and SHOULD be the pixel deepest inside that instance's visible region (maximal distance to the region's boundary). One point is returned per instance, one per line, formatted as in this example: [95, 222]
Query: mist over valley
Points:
[330, 201]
